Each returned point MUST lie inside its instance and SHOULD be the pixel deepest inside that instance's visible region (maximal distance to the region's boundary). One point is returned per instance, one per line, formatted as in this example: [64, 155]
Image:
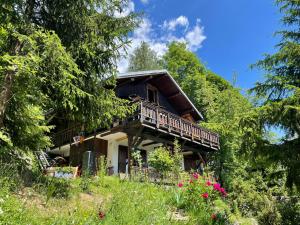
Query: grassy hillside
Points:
[112, 201]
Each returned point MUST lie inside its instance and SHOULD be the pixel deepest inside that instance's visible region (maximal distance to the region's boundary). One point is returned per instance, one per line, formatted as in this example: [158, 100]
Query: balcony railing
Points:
[162, 119]
[156, 118]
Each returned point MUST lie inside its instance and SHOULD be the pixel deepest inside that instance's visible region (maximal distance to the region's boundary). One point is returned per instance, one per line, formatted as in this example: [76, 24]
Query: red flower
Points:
[217, 186]
[205, 195]
[196, 175]
[208, 183]
[213, 216]
[191, 181]
[223, 192]
[180, 184]
[101, 215]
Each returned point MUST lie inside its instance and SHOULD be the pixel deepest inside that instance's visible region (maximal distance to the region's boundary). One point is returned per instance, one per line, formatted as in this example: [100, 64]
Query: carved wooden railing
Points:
[157, 118]
[162, 119]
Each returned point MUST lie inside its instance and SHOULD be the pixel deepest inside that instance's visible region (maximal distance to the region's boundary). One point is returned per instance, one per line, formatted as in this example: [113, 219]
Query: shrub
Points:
[161, 160]
[204, 199]
[177, 159]
[102, 169]
[290, 211]
[57, 188]
[253, 200]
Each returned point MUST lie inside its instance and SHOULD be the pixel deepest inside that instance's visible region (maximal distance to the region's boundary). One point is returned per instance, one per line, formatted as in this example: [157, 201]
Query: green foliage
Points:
[280, 94]
[161, 160]
[290, 210]
[222, 105]
[57, 187]
[102, 169]
[254, 199]
[205, 202]
[177, 159]
[57, 60]
[143, 58]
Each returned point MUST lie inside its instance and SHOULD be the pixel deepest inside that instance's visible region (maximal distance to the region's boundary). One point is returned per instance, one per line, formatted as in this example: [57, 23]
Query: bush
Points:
[203, 199]
[253, 200]
[161, 160]
[290, 211]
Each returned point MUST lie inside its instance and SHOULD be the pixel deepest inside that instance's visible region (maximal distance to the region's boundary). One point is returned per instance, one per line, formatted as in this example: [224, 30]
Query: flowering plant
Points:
[201, 195]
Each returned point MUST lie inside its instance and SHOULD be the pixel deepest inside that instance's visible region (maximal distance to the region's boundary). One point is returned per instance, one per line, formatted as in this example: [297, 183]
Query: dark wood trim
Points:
[150, 143]
[174, 95]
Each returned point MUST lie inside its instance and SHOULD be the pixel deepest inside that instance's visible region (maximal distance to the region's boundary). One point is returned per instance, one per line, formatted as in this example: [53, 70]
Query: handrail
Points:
[164, 119]
[157, 118]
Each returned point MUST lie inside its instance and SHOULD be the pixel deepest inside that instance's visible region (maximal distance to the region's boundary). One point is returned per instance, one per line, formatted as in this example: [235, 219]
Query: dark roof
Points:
[167, 86]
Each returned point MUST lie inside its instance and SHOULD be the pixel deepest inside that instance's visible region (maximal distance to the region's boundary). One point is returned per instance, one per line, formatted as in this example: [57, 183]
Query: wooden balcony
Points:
[163, 120]
[156, 118]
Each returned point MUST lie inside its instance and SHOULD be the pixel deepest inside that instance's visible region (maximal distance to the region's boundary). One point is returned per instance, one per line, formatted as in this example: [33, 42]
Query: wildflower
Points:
[191, 181]
[213, 216]
[205, 195]
[208, 183]
[196, 175]
[217, 186]
[180, 184]
[101, 215]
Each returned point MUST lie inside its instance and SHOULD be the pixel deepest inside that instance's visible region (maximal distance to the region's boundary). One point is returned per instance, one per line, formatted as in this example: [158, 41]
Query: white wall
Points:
[112, 154]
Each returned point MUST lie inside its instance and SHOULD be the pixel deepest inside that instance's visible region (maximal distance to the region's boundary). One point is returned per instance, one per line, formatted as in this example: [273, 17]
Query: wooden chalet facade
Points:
[164, 113]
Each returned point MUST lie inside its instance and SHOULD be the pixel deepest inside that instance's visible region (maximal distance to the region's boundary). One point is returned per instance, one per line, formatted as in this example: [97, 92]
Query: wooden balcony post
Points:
[180, 123]
[157, 118]
[192, 131]
[141, 112]
[169, 122]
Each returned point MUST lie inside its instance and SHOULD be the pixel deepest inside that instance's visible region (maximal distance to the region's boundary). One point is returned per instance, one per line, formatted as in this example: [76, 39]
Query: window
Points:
[152, 94]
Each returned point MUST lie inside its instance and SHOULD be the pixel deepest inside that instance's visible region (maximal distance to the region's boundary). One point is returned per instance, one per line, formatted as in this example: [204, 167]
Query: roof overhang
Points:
[167, 86]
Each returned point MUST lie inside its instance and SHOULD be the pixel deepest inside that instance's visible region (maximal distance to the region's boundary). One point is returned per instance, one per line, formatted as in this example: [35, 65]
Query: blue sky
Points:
[228, 35]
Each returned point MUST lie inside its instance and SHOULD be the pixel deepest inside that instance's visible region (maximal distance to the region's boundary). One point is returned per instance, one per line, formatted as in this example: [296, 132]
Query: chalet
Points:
[164, 113]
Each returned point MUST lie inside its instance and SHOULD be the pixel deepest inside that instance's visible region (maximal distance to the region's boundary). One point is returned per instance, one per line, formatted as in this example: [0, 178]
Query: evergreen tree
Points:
[57, 62]
[280, 93]
[143, 58]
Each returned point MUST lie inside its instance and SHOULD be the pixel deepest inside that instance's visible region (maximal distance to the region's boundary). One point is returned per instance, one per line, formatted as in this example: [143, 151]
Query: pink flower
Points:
[217, 186]
[205, 195]
[196, 175]
[180, 184]
[223, 192]
[208, 183]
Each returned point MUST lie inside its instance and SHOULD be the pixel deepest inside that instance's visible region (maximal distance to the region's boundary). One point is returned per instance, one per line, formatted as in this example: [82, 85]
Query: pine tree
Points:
[280, 93]
[143, 58]
[57, 60]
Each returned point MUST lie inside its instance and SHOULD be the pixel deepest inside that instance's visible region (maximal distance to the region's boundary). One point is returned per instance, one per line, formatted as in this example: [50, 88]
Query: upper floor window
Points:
[152, 94]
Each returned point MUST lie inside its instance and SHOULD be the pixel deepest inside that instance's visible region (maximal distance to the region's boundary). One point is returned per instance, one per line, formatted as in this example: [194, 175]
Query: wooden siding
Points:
[98, 146]
[139, 88]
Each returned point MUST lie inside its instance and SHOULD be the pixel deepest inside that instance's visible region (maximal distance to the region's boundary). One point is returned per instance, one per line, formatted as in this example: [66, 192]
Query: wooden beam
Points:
[187, 111]
[130, 140]
[122, 138]
[150, 143]
[174, 95]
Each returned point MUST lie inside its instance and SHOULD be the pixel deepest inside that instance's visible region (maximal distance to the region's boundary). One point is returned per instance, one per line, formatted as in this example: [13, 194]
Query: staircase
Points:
[43, 159]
